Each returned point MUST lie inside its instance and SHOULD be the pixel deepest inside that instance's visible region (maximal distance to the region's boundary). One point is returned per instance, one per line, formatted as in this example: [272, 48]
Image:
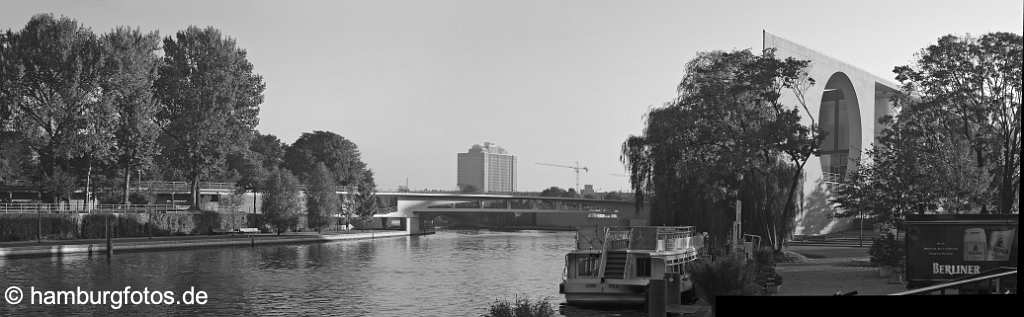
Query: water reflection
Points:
[446, 274]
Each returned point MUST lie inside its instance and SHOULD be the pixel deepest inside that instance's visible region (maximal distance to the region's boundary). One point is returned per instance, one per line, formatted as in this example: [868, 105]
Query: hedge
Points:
[24, 226]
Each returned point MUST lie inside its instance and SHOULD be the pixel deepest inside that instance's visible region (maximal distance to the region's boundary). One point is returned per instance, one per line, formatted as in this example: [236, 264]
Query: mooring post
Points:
[39, 224]
[106, 226]
[656, 298]
[674, 284]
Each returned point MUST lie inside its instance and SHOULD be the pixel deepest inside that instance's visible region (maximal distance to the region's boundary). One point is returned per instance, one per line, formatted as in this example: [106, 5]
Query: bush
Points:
[727, 275]
[886, 251]
[24, 226]
[141, 198]
[281, 201]
[521, 307]
[764, 262]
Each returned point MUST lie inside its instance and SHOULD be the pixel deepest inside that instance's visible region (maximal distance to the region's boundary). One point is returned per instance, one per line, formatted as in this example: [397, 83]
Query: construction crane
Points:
[576, 168]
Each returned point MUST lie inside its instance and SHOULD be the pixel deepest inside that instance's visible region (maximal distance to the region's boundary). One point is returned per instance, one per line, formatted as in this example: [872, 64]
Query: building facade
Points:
[487, 168]
[847, 103]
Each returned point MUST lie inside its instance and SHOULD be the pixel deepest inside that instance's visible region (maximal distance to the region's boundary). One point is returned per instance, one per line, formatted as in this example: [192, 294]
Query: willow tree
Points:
[728, 135]
[210, 100]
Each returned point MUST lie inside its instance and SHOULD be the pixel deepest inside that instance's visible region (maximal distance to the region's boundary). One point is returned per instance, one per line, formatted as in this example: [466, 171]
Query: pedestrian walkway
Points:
[833, 269]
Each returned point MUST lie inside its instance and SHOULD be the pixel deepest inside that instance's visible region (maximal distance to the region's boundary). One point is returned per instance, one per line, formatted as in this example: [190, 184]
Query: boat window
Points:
[643, 267]
[586, 265]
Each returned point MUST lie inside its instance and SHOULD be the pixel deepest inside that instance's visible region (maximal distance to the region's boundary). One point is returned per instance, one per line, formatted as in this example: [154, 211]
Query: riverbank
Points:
[99, 246]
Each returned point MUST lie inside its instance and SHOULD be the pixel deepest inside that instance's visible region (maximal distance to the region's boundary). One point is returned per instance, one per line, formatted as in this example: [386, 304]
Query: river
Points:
[450, 273]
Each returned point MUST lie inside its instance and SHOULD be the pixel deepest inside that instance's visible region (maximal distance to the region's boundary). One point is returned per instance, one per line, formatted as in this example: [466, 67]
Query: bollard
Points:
[656, 298]
[252, 239]
[673, 288]
[110, 246]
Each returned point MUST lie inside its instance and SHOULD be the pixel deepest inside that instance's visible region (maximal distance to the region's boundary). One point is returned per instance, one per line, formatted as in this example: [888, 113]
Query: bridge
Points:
[410, 208]
[405, 207]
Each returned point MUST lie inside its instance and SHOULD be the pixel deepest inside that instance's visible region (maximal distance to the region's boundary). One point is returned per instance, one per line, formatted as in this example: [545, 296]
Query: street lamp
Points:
[737, 228]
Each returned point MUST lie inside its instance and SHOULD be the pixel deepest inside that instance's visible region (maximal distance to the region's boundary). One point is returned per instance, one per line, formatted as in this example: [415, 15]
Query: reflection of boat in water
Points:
[614, 265]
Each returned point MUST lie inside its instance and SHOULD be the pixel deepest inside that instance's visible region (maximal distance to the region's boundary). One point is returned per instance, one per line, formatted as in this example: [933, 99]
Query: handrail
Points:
[604, 253]
[984, 276]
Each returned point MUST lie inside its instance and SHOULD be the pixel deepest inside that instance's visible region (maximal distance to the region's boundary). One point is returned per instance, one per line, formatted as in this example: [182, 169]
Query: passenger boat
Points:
[614, 265]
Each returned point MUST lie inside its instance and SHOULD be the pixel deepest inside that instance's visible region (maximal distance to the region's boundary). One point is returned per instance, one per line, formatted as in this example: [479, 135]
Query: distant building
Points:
[488, 169]
[588, 190]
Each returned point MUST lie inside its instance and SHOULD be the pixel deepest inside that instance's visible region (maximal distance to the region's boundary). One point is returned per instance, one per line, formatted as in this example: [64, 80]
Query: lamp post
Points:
[737, 227]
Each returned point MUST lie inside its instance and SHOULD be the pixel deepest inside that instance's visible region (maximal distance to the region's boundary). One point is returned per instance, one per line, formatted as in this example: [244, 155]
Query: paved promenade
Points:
[86, 246]
[832, 269]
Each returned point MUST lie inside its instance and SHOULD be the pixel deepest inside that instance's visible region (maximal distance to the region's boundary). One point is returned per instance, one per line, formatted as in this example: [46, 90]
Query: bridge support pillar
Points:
[412, 225]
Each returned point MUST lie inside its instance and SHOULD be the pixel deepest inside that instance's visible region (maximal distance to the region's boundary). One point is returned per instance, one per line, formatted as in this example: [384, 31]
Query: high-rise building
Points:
[488, 169]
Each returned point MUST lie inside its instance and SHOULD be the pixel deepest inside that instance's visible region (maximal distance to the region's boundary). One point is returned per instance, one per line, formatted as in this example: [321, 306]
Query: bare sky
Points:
[414, 82]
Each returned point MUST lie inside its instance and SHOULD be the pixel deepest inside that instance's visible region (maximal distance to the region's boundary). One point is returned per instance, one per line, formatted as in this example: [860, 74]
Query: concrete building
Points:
[847, 103]
[487, 168]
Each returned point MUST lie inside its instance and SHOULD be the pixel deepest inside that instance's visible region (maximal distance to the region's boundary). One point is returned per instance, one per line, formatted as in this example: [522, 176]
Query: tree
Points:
[15, 158]
[282, 203]
[728, 135]
[571, 193]
[468, 189]
[210, 102]
[553, 191]
[321, 198]
[130, 71]
[269, 149]
[973, 86]
[616, 195]
[339, 155]
[250, 166]
[365, 201]
[51, 76]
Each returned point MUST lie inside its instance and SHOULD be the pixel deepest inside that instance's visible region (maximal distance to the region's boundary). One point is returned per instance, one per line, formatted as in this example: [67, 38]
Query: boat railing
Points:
[649, 238]
[636, 238]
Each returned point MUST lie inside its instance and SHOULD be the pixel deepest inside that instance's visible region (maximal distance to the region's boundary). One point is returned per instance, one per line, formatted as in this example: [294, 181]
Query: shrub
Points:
[281, 202]
[886, 251]
[727, 275]
[521, 307]
[137, 198]
[764, 262]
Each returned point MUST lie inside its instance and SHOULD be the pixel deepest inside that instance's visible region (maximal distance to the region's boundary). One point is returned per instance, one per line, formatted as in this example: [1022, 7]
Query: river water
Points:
[451, 273]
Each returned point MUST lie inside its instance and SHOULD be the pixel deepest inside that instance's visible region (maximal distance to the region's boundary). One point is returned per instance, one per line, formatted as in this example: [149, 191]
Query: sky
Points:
[412, 83]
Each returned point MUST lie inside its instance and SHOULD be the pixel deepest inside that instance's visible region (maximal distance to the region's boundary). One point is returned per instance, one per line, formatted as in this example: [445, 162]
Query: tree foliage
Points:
[969, 93]
[338, 154]
[282, 202]
[51, 85]
[130, 71]
[249, 167]
[954, 145]
[321, 198]
[727, 132]
[210, 102]
[554, 191]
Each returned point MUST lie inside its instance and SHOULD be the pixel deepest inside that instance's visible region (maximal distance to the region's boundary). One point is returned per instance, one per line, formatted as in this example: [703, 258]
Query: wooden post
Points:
[39, 224]
[106, 225]
[673, 284]
[656, 304]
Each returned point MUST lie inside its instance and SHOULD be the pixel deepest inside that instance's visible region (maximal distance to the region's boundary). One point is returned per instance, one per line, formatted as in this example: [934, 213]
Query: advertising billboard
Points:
[946, 247]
